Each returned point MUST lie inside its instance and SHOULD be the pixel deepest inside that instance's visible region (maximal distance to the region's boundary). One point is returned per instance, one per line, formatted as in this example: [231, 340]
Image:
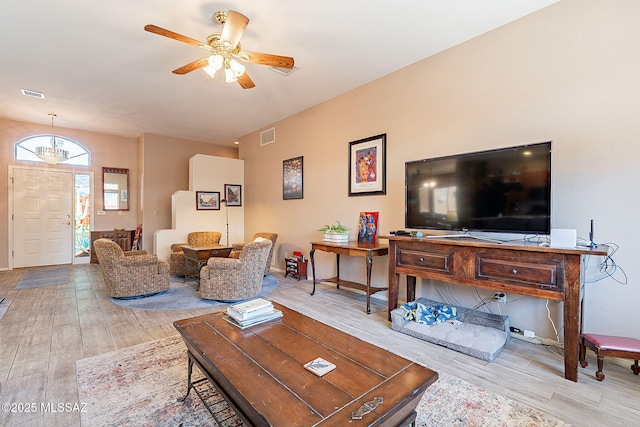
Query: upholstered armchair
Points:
[233, 279]
[196, 238]
[237, 248]
[130, 273]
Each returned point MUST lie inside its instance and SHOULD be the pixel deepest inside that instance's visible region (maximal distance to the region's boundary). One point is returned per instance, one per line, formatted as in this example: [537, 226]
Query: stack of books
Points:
[251, 313]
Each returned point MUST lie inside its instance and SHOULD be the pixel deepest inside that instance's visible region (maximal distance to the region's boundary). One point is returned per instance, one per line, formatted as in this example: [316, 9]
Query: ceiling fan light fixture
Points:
[230, 76]
[237, 68]
[215, 63]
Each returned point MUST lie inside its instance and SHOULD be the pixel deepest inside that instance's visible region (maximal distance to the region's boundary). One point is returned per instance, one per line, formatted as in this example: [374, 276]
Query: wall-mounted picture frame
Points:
[208, 200]
[233, 194]
[292, 187]
[368, 166]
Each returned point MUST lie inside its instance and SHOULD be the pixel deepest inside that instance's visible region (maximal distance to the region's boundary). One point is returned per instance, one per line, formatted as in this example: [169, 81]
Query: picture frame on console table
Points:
[368, 166]
[233, 194]
[208, 200]
[292, 186]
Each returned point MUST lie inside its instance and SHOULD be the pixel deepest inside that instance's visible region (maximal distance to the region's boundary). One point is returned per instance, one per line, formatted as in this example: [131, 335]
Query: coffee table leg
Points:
[189, 383]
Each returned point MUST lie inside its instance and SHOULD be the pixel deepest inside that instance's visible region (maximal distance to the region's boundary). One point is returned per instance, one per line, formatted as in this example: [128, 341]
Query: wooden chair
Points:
[609, 346]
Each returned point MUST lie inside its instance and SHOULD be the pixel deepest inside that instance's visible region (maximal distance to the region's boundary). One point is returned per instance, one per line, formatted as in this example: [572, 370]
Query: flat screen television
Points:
[506, 190]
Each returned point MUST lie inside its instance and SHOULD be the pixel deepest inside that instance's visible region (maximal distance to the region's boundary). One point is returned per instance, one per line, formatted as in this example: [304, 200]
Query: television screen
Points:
[504, 190]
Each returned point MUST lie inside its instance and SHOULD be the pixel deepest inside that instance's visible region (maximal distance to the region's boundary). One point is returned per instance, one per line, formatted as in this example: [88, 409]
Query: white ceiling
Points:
[101, 72]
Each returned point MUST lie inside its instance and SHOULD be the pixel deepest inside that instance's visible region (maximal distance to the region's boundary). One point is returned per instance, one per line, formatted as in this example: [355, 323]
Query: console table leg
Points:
[411, 288]
[189, 384]
[313, 270]
[369, 264]
[337, 271]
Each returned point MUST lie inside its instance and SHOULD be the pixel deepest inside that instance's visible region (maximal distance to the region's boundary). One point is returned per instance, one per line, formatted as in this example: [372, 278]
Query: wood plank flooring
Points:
[47, 329]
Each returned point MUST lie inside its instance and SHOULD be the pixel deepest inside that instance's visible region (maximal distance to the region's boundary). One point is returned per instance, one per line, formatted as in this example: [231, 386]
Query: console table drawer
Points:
[441, 262]
[540, 273]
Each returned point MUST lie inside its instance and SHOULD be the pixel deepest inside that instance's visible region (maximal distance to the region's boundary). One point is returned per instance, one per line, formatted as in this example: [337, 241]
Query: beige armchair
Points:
[130, 273]
[237, 248]
[233, 279]
[196, 238]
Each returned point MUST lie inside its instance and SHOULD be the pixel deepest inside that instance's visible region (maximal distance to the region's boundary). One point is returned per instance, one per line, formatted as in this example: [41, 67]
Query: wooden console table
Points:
[124, 239]
[367, 250]
[519, 268]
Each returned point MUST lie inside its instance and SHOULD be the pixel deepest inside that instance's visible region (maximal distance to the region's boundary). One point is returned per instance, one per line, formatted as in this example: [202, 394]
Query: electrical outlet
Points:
[500, 297]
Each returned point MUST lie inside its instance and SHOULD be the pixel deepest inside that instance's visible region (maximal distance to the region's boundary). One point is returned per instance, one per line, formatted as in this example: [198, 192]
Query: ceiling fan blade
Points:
[245, 81]
[199, 63]
[234, 27]
[266, 59]
[170, 34]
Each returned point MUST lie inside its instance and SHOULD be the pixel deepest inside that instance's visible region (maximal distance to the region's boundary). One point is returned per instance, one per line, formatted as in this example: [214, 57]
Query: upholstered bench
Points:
[612, 346]
[477, 333]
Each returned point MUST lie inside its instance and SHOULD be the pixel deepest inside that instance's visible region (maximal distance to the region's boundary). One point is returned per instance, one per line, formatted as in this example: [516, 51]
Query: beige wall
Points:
[106, 151]
[568, 73]
[166, 170]
[162, 162]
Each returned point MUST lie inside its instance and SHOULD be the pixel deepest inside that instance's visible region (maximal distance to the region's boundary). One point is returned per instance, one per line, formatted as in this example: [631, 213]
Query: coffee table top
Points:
[260, 371]
[203, 253]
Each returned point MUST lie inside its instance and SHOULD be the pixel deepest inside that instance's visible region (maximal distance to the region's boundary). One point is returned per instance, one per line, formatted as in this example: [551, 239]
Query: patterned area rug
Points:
[183, 296]
[49, 276]
[140, 385]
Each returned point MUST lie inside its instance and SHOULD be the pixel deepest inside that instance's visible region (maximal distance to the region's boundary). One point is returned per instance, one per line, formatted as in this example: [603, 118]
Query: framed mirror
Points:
[115, 189]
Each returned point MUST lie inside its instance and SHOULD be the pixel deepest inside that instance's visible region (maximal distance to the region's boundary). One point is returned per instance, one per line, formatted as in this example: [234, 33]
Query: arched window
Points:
[25, 149]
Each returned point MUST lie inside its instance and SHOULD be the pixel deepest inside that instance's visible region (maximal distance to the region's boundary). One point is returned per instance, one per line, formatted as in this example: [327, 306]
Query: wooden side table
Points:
[296, 268]
[365, 250]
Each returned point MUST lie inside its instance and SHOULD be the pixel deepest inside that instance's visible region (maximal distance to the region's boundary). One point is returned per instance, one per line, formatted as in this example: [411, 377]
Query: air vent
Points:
[284, 71]
[32, 93]
[268, 136]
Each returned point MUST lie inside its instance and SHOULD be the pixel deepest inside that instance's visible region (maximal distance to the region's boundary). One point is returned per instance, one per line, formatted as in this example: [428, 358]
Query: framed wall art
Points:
[368, 166]
[233, 194]
[208, 200]
[292, 179]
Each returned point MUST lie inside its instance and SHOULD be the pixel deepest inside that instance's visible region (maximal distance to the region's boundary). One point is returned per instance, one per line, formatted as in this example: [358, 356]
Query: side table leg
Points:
[369, 264]
[337, 271]
[189, 383]
[313, 270]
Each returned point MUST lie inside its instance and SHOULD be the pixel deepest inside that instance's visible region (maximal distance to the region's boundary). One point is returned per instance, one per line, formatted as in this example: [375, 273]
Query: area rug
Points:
[4, 306]
[183, 296]
[49, 276]
[140, 385]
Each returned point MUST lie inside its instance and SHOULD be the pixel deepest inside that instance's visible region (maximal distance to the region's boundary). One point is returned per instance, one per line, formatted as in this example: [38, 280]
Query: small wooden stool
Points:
[611, 346]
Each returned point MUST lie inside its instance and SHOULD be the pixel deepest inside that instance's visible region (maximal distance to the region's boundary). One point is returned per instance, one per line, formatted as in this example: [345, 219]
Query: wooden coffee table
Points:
[259, 371]
[199, 255]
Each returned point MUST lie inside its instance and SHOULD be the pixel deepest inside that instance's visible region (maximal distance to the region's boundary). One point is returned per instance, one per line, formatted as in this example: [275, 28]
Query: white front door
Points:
[42, 217]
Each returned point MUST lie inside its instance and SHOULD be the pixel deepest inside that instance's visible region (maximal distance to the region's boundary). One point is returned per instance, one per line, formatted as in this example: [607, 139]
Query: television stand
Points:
[465, 233]
[520, 268]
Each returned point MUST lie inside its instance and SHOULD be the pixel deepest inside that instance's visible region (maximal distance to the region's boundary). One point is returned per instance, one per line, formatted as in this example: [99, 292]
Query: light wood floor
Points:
[47, 329]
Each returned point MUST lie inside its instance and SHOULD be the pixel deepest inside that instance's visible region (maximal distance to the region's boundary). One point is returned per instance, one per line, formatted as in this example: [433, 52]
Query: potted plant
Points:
[335, 233]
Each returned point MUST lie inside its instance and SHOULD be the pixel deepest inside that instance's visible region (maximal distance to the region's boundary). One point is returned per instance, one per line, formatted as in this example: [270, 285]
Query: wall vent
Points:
[268, 136]
[32, 93]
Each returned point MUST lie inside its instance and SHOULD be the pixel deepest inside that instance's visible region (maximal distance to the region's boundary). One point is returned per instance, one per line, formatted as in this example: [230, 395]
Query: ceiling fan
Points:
[225, 50]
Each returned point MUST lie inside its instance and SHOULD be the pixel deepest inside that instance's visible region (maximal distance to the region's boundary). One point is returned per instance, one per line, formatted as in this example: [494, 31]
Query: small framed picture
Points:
[368, 166]
[233, 194]
[208, 200]
[292, 179]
